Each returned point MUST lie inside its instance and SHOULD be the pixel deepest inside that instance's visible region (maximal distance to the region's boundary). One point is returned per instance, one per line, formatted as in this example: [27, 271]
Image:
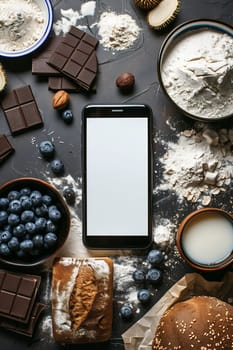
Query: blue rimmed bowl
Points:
[46, 9]
[171, 44]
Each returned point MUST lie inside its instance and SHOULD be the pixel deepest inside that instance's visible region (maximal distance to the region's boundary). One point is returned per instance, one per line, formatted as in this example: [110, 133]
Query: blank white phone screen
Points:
[117, 176]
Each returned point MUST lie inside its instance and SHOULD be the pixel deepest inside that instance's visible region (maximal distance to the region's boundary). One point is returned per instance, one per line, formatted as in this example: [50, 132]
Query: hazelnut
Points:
[61, 99]
[125, 81]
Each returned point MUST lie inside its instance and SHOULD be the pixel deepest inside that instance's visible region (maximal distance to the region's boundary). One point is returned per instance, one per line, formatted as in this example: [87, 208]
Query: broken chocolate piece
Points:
[25, 329]
[40, 64]
[17, 295]
[62, 83]
[76, 58]
[21, 110]
[5, 148]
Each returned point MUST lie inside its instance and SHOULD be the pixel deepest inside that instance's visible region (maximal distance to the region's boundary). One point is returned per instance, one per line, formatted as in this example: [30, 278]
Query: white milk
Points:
[208, 238]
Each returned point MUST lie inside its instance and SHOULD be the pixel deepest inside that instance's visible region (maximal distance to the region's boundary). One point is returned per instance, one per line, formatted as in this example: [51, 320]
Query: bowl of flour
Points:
[24, 26]
[195, 69]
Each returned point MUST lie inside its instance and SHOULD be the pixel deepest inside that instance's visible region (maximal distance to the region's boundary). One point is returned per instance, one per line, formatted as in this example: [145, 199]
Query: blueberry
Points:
[3, 217]
[26, 203]
[67, 116]
[4, 203]
[69, 195]
[50, 226]
[126, 312]
[54, 215]
[139, 276]
[13, 244]
[41, 224]
[30, 228]
[50, 239]
[46, 149]
[4, 249]
[27, 215]
[57, 166]
[154, 276]
[15, 206]
[144, 296]
[19, 231]
[155, 257]
[5, 236]
[52, 207]
[38, 241]
[36, 198]
[42, 210]
[13, 195]
[47, 200]
[26, 191]
[13, 219]
[26, 245]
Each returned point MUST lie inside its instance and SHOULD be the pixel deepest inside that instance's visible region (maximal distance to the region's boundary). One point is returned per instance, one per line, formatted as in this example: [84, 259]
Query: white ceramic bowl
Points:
[47, 10]
[171, 46]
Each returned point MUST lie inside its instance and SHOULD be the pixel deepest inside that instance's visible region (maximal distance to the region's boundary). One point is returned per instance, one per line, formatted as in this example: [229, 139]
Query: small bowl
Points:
[47, 10]
[205, 239]
[186, 30]
[63, 224]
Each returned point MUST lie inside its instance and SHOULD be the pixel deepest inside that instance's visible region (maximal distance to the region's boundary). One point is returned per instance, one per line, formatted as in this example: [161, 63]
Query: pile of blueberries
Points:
[29, 223]
[143, 278]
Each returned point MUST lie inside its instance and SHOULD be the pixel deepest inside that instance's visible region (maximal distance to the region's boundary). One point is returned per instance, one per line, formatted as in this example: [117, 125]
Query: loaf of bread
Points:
[200, 323]
[82, 299]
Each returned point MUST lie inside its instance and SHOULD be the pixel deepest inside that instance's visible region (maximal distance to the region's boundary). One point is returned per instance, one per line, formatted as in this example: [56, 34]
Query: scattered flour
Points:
[199, 165]
[164, 233]
[71, 17]
[117, 31]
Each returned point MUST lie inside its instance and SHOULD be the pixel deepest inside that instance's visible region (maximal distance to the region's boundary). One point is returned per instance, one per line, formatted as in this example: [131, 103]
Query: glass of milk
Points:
[205, 239]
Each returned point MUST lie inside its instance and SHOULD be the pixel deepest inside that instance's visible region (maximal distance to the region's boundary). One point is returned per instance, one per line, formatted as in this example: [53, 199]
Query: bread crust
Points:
[82, 293]
[200, 323]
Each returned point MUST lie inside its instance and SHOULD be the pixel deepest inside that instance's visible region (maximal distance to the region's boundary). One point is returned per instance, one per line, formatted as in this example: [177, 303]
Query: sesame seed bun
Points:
[200, 323]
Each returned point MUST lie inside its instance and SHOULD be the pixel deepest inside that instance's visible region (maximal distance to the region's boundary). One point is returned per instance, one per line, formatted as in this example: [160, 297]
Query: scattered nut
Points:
[125, 81]
[61, 99]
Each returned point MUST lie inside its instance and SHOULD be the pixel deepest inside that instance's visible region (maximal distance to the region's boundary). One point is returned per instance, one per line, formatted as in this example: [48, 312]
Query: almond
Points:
[61, 99]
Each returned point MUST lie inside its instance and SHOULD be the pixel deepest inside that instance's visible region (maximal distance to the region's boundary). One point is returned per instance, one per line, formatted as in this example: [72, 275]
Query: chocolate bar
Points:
[62, 83]
[40, 64]
[75, 57]
[5, 148]
[17, 295]
[25, 329]
[21, 110]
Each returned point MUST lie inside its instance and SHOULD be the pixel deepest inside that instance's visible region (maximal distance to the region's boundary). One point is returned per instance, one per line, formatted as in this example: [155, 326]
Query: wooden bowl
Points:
[63, 225]
[205, 239]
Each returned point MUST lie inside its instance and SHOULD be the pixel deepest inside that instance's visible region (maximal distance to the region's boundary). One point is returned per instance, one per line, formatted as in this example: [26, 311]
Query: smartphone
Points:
[117, 176]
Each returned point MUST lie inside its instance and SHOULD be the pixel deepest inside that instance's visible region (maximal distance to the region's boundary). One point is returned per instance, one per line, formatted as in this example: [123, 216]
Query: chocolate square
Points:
[21, 110]
[11, 283]
[27, 287]
[6, 301]
[20, 306]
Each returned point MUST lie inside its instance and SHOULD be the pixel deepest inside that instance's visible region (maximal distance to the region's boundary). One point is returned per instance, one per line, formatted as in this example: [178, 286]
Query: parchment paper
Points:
[140, 335]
